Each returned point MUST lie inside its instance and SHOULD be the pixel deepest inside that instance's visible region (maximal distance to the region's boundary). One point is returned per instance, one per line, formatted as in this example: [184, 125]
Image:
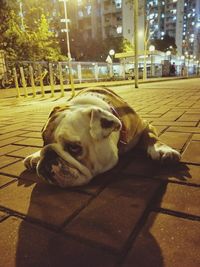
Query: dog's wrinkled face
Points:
[79, 143]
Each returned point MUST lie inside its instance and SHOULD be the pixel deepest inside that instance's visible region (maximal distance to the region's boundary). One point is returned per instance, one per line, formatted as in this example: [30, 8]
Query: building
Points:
[96, 18]
[114, 18]
[179, 19]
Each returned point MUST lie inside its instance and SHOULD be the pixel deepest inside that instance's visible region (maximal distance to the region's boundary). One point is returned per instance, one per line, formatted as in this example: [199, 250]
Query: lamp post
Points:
[135, 11]
[168, 53]
[151, 50]
[111, 53]
[68, 47]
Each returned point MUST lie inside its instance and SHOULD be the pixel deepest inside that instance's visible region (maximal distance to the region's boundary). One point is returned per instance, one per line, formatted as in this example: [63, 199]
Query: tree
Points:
[26, 43]
[165, 44]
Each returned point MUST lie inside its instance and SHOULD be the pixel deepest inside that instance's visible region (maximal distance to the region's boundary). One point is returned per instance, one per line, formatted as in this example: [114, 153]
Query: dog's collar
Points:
[123, 132]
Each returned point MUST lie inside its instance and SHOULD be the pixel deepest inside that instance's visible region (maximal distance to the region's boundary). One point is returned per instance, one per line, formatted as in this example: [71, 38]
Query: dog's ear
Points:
[50, 125]
[103, 123]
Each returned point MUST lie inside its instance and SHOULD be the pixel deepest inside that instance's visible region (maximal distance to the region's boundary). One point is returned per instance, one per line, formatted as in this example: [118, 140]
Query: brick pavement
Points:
[138, 214]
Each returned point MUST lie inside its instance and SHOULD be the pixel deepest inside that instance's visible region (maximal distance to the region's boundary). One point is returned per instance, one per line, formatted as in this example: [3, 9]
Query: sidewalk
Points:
[140, 214]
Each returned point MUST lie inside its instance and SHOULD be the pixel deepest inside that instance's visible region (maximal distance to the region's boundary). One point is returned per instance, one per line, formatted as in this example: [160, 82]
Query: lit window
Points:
[191, 40]
[89, 8]
[118, 3]
[163, 15]
[151, 16]
[119, 29]
[162, 33]
[79, 2]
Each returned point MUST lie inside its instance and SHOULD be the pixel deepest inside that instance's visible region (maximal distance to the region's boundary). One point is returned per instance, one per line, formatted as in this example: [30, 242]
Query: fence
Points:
[32, 74]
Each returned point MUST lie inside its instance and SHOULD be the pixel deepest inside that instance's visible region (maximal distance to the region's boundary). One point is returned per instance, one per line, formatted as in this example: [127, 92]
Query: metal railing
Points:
[39, 74]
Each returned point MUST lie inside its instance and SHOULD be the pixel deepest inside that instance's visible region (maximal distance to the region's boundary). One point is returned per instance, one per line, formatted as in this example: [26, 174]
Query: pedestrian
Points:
[173, 69]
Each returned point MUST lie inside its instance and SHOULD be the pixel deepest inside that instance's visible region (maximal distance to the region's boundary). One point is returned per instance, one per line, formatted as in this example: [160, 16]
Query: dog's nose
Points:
[49, 159]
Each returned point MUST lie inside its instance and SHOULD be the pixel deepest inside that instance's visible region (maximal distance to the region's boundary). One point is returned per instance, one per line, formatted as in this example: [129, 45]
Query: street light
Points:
[112, 52]
[168, 53]
[151, 50]
[135, 3]
[68, 47]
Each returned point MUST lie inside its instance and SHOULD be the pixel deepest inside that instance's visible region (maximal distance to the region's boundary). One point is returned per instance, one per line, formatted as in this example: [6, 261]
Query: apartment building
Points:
[96, 18]
[114, 18]
[179, 19]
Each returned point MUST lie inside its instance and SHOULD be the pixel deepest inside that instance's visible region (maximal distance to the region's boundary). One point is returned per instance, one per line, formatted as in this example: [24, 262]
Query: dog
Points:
[86, 136]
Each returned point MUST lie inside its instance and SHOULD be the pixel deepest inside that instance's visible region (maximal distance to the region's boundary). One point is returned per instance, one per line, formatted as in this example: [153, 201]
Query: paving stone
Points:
[10, 141]
[175, 140]
[184, 129]
[12, 128]
[32, 134]
[33, 128]
[181, 198]
[24, 152]
[113, 214]
[189, 117]
[174, 123]
[193, 111]
[5, 160]
[192, 153]
[11, 134]
[172, 116]
[3, 216]
[196, 137]
[30, 142]
[5, 180]
[9, 148]
[47, 203]
[166, 241]
[18, 170]
[24, 244]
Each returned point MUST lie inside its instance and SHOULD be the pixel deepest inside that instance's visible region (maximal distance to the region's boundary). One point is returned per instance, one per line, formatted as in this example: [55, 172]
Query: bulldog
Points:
[86, 136]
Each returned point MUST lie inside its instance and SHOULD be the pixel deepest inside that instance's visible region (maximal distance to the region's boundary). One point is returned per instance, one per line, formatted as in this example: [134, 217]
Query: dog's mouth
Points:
[55, 170]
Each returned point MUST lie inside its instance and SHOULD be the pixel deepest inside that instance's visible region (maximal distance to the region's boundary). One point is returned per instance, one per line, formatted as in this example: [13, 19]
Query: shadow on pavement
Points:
[42, 244]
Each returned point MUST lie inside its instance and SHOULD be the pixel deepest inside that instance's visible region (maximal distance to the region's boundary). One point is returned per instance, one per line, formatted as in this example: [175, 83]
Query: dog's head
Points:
[79, 143]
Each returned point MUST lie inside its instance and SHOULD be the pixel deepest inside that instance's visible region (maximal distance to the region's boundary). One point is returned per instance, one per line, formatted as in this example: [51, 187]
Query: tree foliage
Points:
[167, 43]
[33, 41]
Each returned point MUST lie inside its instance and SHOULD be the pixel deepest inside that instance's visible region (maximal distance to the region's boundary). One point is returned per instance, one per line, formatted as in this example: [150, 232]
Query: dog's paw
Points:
[31, 161]
[163, 153]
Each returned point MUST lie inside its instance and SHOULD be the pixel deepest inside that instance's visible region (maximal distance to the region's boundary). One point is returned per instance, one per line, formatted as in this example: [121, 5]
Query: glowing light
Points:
[151, 48]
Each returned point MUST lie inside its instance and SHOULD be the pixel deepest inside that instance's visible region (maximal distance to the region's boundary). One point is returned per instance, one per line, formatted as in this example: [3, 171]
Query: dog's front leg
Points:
[155, 148]
[31, 161]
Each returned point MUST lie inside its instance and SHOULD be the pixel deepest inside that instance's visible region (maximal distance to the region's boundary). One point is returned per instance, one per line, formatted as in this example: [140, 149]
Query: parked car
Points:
[130, 74]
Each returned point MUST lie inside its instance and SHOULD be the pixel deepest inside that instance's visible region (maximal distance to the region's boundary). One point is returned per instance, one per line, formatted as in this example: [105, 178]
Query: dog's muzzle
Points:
[55, 170]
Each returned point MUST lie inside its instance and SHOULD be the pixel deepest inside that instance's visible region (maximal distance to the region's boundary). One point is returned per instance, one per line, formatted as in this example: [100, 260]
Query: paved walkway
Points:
[139, 214]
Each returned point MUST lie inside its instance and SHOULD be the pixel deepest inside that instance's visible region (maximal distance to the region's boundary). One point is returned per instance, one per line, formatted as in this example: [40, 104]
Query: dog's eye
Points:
[73, 148]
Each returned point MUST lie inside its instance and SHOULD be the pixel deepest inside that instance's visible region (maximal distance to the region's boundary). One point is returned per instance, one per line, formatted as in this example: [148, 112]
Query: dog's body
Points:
[85, 137]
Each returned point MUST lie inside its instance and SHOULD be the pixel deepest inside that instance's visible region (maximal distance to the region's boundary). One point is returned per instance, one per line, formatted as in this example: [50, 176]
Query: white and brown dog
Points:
[85, 137]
